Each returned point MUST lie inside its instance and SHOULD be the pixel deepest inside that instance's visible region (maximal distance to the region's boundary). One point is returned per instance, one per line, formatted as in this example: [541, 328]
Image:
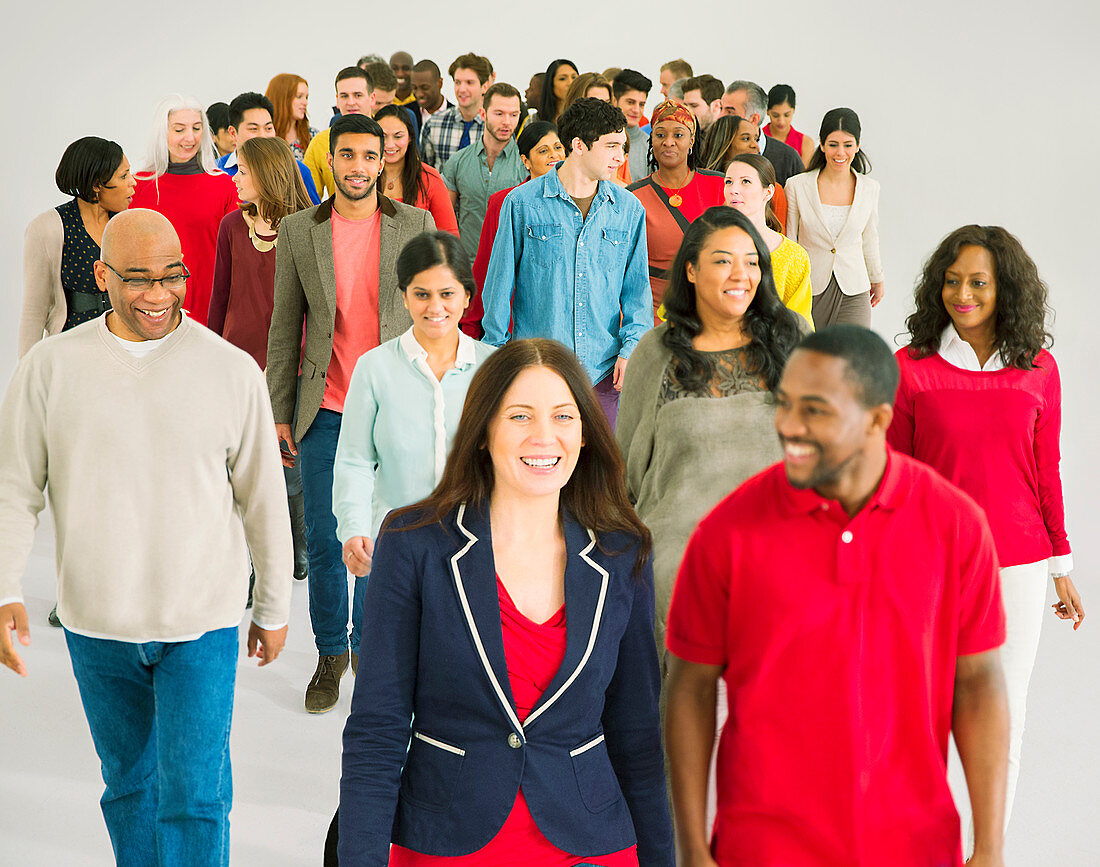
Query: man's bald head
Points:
[137, 230]
[402, 65]
[141, 267]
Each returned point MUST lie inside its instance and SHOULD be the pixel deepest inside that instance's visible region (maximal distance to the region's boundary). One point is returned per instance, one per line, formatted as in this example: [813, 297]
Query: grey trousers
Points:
[833, 307]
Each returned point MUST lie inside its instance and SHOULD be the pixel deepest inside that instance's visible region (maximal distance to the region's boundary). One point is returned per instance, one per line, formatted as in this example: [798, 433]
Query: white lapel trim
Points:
[505, 703]
[591, 636]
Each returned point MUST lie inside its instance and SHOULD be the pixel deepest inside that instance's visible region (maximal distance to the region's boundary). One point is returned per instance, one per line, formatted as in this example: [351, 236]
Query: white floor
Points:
[286, 763]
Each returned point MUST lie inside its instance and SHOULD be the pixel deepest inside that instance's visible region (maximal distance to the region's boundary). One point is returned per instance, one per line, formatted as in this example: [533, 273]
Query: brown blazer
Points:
[305, 296]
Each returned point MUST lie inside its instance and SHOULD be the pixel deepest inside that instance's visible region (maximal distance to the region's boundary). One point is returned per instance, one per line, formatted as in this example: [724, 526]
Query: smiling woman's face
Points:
[535, 438]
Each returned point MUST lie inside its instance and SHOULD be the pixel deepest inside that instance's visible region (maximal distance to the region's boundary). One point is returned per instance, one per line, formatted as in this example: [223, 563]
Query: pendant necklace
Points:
[674, 197]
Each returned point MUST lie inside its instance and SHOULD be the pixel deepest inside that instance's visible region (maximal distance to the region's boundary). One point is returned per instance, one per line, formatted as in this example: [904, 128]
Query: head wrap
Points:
[675, 111]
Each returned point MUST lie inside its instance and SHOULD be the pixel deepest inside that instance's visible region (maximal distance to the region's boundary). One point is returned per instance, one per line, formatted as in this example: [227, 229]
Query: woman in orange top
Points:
[675, 194]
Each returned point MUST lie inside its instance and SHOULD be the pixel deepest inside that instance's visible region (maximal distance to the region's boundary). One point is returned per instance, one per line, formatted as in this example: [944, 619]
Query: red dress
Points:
[195, 206]
[534, 652]
[437, 201]
[794, 137]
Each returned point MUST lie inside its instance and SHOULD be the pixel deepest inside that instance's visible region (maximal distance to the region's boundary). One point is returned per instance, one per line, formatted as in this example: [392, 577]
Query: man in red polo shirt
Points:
[849, 598]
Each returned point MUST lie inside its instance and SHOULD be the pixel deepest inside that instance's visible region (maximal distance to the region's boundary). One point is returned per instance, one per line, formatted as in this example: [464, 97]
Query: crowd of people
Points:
[585, 406]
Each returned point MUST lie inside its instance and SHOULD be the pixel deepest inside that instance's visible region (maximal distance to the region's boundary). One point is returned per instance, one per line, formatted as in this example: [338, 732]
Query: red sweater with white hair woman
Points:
[194, 203]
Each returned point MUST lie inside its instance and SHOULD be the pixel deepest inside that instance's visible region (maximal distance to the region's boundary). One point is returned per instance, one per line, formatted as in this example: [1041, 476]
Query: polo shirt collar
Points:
[890, 493]
[464, 357]
[230, 160]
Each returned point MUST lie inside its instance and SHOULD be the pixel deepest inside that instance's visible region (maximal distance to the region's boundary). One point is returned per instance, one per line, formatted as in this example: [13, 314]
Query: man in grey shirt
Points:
[630, 89]
[491, 163]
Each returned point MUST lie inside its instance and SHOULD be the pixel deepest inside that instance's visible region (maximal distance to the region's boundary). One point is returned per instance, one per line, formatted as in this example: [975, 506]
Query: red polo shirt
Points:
[838, 636]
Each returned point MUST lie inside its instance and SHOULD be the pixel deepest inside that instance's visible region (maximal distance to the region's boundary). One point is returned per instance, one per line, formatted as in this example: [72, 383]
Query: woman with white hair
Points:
[181, 181]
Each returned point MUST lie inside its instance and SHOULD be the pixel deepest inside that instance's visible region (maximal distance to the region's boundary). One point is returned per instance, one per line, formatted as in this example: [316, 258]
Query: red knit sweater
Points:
[194, 205]
[995, 435]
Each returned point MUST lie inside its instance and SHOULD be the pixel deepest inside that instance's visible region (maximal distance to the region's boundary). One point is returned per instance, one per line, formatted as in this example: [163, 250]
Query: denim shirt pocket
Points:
[614, 248]
[542, 245]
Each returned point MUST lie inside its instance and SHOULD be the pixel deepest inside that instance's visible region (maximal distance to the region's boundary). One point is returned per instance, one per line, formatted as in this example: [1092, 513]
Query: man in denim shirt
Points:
[569, 261]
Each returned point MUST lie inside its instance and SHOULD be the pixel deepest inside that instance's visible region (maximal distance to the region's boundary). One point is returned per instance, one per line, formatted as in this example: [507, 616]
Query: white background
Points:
[972, 112]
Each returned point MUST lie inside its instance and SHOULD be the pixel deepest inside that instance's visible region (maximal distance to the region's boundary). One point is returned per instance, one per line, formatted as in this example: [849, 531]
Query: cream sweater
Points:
[158, 470]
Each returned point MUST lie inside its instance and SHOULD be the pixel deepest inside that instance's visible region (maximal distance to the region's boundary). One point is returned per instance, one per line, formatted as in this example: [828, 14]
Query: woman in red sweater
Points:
[181, 181]
[980, 400]
[404, 177]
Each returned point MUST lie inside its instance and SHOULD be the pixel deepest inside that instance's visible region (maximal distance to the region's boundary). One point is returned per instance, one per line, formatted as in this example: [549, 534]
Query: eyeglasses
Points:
[144, 284]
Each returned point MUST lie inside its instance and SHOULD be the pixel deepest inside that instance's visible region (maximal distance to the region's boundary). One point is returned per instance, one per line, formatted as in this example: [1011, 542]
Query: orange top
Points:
[355, 249]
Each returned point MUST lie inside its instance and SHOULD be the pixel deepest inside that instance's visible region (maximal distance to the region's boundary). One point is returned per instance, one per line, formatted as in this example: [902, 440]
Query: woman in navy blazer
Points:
[435, 751]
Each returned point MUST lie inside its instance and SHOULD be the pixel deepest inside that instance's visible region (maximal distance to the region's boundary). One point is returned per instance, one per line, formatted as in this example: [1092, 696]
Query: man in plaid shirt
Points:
[446, 133]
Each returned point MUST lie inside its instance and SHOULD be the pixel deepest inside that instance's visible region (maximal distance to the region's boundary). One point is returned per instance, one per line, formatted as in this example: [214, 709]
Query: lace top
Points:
[730, 377]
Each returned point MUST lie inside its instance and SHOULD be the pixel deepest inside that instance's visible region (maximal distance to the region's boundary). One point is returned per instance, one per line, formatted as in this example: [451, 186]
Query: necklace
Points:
[674, 197]
[261, 244]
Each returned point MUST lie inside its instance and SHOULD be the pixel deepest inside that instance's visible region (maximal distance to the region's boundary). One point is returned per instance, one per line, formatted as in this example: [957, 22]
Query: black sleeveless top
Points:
[78, 255]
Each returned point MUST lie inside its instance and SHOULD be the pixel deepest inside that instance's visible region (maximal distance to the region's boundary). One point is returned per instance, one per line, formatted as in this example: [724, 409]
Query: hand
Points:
[1068, 606]
[358, 551]
[877, 291]
[620, 372]
[284, 434]
[13, 618]
[265, 644]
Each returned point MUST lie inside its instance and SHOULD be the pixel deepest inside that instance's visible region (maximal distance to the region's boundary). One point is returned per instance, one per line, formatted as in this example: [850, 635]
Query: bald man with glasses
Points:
[155, 442]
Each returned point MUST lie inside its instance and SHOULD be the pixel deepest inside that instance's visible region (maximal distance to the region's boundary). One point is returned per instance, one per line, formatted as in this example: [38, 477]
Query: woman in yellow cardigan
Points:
[750, 186]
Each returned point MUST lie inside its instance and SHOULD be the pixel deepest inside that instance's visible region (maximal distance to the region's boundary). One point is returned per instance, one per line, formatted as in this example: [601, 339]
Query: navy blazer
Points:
[434, 753]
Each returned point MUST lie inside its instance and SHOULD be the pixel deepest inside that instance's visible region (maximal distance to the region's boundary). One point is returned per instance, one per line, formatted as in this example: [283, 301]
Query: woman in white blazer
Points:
[832, 211]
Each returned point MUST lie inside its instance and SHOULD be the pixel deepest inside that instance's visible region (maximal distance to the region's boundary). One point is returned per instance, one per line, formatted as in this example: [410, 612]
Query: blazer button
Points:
[514, 742]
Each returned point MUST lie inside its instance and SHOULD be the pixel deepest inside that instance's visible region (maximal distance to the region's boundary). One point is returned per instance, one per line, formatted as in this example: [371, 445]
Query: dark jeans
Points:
[328, 577]
[159, 714]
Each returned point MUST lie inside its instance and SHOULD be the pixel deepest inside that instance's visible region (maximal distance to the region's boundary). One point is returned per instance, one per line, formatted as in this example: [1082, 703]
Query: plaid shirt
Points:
[441, 134]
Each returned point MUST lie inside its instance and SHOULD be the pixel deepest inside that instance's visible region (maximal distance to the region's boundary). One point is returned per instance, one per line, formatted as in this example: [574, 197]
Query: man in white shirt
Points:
[155, 441]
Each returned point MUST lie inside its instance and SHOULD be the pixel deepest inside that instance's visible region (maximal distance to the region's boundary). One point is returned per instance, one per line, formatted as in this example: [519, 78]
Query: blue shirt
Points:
[398, 426]
[583, 282]
[228, 164]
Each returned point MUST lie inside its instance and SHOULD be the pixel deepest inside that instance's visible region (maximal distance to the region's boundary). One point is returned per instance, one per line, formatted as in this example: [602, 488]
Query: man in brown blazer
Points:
[335, 277]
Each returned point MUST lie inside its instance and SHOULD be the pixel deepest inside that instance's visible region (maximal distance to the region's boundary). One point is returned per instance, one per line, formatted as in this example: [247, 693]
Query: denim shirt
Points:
[583, 282]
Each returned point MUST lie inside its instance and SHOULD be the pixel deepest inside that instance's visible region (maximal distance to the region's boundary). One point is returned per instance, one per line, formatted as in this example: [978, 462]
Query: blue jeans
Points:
[159, 714]
[328, 577]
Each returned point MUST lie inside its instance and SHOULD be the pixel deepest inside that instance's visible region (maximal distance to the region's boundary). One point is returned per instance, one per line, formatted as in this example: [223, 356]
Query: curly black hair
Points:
[774, 328]
[1020, 331]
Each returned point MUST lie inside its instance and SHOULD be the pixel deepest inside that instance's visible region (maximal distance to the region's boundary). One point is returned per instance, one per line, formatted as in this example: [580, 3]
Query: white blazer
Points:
[852, 256]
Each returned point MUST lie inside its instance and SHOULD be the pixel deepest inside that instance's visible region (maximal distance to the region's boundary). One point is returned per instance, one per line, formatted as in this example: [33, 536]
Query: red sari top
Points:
[534, 652]
[665, 224]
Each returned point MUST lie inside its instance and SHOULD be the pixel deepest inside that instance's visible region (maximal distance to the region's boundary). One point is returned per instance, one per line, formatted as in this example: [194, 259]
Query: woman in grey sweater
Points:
[695, 418]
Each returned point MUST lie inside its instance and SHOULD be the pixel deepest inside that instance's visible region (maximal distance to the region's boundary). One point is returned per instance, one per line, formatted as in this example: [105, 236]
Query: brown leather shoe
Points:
[324, 689]
[354, 663]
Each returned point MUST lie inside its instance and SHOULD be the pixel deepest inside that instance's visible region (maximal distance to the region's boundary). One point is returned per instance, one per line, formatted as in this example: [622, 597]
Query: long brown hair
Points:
[281, 90]
[766, 173]
[581, 85]
[595, 494]
[277, 178]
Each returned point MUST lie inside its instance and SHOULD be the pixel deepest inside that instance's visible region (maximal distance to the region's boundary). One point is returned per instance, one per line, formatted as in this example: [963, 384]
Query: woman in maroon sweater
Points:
[980, 400]
[270, 187]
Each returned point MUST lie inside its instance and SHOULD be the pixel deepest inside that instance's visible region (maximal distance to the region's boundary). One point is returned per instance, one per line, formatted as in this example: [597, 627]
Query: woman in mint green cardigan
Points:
[403, 404]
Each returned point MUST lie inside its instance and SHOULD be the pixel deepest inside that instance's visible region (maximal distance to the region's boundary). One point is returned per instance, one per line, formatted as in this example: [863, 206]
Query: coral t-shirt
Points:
[355, 252]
